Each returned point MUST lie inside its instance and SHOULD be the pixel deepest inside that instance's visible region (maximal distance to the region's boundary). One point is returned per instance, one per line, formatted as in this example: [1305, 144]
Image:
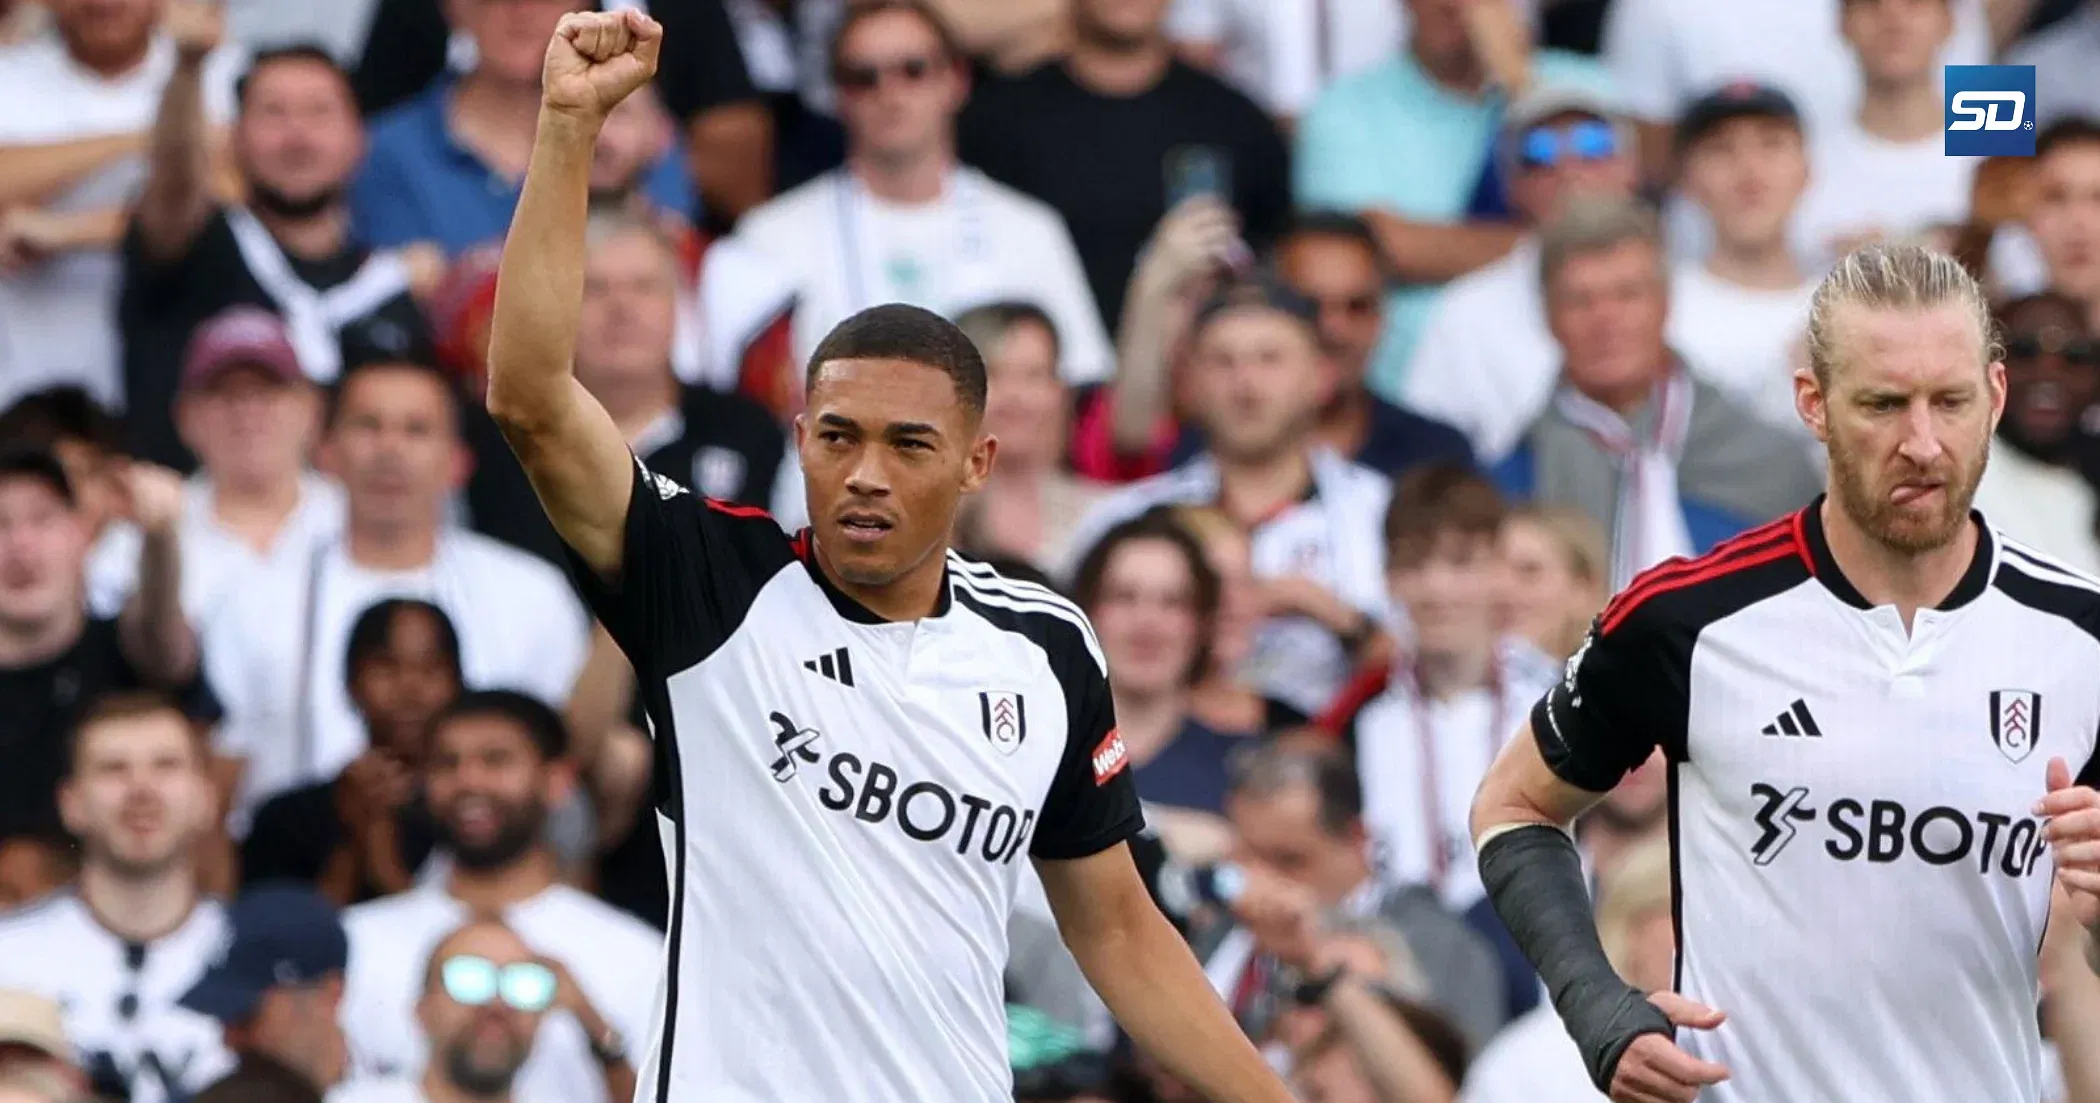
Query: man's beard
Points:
[522, 827]
[1095, 33]
[481, 1080]
[1888, 524]
[268, 200]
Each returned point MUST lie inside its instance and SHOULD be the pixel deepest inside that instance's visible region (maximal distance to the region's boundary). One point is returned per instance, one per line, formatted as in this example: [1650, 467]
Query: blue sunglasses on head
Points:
[474, 981]
[1546, 146]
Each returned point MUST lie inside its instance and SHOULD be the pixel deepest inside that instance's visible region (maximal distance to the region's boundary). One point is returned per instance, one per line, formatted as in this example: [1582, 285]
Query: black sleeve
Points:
[1093, 803]
[1624, 693]
[201, 271]
[1265, 205]
[701, 66]
[292, 837]
[690, 568]
[404, 52]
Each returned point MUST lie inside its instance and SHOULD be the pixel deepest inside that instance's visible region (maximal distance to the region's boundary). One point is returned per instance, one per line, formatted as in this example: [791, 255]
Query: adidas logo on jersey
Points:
[837, 666]
[1795, 721]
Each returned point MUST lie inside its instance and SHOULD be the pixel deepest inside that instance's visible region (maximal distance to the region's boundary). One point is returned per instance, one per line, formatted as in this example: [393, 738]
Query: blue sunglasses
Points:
[1547, 146]
[474, 981]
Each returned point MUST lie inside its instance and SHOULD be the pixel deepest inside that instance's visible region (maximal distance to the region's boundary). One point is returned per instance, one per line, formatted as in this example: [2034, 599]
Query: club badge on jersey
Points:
[2016, 721]
[1005, 719]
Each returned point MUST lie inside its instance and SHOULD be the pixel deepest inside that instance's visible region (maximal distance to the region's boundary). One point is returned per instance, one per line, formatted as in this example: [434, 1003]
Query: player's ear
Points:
[1995, 377]
[977, 466]
[1812, 403]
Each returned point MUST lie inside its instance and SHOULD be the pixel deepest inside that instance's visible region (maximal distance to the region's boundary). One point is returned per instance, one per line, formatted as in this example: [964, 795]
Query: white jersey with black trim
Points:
[850, 805]
[118, 999]
[1861, 882]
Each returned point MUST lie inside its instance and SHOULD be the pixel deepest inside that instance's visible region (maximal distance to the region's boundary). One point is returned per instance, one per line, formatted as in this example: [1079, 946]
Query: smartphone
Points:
[1197, 170]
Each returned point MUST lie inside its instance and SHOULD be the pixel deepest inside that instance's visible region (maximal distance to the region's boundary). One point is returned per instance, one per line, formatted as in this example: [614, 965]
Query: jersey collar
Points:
[847, 607]
[1973, 581]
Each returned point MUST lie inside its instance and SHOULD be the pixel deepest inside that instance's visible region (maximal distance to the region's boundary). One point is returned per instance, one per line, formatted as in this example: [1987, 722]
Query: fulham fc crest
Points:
[2016, 721]
[1005, 719]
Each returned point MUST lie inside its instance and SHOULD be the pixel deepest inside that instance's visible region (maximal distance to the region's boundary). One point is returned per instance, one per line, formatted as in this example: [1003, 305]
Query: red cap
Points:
[240, 337]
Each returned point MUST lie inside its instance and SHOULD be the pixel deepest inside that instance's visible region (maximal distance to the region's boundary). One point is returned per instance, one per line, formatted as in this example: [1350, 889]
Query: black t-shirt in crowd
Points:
[1109, 163]
[162, 304]
[722, 445]
[40, 704]
[296, 832]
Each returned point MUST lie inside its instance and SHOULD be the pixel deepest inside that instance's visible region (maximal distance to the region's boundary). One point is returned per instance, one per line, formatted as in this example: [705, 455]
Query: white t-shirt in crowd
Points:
[1664, 54]
[616, 959]
[1860, 183]
[1485, 362]
[1533, 1060]
[2047, 508]
[214, 558]
[274, 649]
[58, 319]
[980, 242]
[1741, 339]
[1283, 53]
[56, 949]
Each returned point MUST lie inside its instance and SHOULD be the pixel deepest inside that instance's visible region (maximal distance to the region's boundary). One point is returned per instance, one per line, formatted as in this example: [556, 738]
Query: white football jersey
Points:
[119, 998]
[852, 805]
[1861, 882]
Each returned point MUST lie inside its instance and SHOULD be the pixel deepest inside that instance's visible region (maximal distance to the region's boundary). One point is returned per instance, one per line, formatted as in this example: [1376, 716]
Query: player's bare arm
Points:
[579, 463]
[2073, 833]
[1522, 820]
[1148, 978]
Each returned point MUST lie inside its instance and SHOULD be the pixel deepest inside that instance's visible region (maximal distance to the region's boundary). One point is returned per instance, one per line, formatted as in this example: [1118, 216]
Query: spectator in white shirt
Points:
[1882, 169]
[1534, 1060]
[1737, 314]
[1485, 362]
[2033, 489]
[903, 221]
[248, 413]
[1283, 54]
[79, 102]
[497, 767]
[2064, 213]
[275, 647]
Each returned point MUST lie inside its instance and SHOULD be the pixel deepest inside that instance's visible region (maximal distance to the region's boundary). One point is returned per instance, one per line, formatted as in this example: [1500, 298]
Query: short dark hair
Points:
[860, 11]
[62, 414]
[290, 51]
[541, 724]
[444, 381]
[1439, 498]
[990, 322]
[1270, 767]
[375, 626]
[2071, 130]
[129, 704]
[37, 465]
[1341, 224]
[1156, 524]
[895, 331]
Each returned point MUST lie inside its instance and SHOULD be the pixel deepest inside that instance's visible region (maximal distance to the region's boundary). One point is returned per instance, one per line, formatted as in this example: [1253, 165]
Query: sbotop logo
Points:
[1990, 110]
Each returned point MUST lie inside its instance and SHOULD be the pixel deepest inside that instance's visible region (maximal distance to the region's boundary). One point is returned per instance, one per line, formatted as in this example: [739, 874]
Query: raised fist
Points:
[197, 26]
[596, 59]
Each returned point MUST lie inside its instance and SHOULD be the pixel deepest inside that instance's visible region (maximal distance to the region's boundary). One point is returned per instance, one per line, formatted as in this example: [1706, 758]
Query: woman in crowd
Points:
[1556, 560]
[1032, 503]
[1154, 603]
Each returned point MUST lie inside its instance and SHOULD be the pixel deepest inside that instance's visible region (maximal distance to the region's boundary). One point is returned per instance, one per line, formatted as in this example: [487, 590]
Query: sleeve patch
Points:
[1109, 757]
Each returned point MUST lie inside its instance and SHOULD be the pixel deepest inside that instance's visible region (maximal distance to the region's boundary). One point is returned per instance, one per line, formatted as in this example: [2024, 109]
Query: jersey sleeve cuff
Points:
[1086, 846]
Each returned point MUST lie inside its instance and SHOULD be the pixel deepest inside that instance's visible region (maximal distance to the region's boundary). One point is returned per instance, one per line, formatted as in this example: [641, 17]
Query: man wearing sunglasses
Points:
[1485, 362]
[2034, 489]
[903, 220]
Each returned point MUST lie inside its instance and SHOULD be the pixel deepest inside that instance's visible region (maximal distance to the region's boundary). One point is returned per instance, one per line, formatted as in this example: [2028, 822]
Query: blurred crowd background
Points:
[1345, 356]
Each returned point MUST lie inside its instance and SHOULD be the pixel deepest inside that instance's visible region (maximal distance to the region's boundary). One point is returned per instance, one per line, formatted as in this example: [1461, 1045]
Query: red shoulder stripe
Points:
[1734, 545]
[734, 510]
[1778, 541]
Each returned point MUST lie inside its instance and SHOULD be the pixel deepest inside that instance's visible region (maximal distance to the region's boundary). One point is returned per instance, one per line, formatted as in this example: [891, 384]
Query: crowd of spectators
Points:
[1345, 355]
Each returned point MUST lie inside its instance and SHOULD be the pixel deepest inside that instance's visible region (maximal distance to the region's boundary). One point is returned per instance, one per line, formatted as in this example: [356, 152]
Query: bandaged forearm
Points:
[1534, 876]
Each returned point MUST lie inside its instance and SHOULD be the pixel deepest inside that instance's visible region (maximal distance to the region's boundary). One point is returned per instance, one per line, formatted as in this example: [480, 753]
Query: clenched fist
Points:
[596, 59]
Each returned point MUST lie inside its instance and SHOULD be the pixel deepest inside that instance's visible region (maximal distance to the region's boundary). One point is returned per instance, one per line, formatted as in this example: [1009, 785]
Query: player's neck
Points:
[1443, 675]
[255, 511]
[1760, 266]
[437, 1089]
[1251, 490]
[913, 595]
[1910, 111]
[908, 178]
[489, 891]
[1885, 576]
[24, 644]
[391, 547]
[142, 908]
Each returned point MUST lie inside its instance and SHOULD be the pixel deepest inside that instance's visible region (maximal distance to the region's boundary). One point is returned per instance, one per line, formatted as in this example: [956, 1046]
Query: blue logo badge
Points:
[1990, 110]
